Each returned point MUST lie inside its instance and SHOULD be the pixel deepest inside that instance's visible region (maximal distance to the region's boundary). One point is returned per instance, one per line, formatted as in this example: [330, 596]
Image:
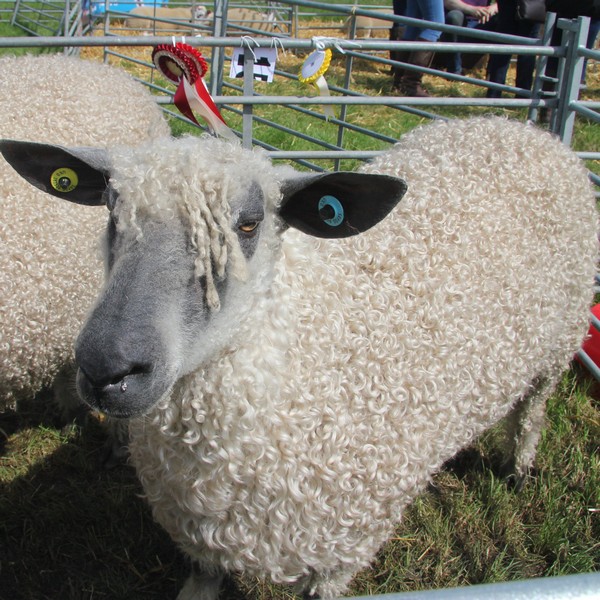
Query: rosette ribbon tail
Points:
[323, 88]
[196, 97]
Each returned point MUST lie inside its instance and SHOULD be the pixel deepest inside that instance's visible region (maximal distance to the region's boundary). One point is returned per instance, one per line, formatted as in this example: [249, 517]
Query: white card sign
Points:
[263, 67]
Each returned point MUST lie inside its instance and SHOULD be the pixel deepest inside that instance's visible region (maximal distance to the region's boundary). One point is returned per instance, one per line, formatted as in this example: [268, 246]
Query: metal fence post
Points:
[347, 82]
[218, 52]
[247, 111]
[540, 76]
[570, 76]
[106, 26]
[15, 13]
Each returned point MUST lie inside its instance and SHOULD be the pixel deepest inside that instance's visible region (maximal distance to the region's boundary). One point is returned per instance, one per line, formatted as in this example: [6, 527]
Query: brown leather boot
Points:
[396, 34]
[410, 83]
[399, 72]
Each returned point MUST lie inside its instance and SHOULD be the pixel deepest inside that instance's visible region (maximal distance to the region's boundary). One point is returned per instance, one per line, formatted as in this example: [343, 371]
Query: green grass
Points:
[71, 529]
[7, 31]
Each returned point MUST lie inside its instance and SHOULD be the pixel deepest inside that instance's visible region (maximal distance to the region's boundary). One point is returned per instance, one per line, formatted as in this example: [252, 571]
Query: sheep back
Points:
[368, 26]
[374, 359]
[142, 17]
[248, 17]
[50, 262]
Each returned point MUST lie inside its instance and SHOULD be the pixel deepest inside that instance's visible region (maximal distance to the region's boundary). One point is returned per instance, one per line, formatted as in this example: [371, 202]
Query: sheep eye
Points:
[249, 227]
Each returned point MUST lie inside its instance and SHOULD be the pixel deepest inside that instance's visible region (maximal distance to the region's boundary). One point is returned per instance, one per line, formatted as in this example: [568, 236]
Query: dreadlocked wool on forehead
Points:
[194, 179]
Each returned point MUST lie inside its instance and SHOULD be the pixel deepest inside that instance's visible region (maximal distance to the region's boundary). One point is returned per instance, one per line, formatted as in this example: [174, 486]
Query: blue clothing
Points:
[498, 63]
[591, 40]
[454, 60]
[428, 10]
[399, 7]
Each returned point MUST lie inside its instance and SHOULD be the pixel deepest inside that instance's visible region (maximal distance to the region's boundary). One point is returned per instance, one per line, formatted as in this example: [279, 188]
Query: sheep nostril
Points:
[116, 379]
[103, 380]
[119, 378]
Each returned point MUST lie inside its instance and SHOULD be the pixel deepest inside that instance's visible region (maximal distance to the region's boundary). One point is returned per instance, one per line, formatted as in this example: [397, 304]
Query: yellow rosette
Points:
[313, 71]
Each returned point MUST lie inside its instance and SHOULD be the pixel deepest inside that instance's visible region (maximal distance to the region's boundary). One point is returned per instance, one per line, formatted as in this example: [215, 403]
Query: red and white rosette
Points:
[185, 66]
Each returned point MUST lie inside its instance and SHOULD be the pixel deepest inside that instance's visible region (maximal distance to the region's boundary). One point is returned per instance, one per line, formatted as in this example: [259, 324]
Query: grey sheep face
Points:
[185, 257]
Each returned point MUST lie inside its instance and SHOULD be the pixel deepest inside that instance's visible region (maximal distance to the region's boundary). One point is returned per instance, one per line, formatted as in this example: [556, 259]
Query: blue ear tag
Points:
[331, 210]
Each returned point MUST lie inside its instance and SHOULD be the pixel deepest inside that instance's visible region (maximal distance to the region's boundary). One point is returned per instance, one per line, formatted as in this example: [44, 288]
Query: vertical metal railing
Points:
[571, 70]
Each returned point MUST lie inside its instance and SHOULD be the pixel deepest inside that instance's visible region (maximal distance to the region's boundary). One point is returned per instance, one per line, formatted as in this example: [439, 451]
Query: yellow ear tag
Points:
[64, 180]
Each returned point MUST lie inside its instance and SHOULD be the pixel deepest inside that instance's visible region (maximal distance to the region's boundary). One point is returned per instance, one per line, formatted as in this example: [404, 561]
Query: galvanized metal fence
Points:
[568, 587]
[48, 17]
[558, 94]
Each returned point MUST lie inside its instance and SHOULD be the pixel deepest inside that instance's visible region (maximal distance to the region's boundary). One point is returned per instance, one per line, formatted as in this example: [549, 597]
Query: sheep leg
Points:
[202, 584]
[115, 450]
[72, 409]
[524, 427]
[326, 585]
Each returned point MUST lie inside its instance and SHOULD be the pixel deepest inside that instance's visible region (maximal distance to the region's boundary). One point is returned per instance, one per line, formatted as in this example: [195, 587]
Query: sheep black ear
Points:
[337, 205]
[76, 174]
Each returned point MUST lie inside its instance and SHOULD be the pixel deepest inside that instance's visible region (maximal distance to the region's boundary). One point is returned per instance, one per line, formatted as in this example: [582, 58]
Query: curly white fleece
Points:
[50, 266]
[376, 358]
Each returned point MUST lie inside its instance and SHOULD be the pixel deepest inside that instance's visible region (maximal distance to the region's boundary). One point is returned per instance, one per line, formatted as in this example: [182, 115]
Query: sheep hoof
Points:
[115, 450]
[514, 477]
[113, 454]
[515, 482]
[74, 421]
[201, 585]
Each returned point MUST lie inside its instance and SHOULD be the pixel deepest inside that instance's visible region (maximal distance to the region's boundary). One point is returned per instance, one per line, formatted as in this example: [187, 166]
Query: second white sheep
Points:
[50, 261]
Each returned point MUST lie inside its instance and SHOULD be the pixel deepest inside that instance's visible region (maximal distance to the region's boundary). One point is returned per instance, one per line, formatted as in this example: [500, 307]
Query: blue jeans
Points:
[454, 60]
[552, 65]
[591, 40]
[498, 64]
[429, 10]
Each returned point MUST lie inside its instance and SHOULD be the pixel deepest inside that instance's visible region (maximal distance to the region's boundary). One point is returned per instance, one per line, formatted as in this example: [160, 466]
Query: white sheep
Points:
[367, 27]
[253, 19]
[144, 17]
[290, 396]
[50, 265]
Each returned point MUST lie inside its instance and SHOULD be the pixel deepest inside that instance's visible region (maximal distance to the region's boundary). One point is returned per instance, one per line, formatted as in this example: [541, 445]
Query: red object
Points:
[179, 60]
[185, 66]
[591, 346]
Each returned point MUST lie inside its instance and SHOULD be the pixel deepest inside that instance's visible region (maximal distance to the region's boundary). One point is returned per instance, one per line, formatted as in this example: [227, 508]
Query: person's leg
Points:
[452, 60]
[399, 7]
[396, 33]
[498, 63]
[409, 8]
[412, 10]
[526, 63]
[428, 10]
[591, 40]
[469, 60]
